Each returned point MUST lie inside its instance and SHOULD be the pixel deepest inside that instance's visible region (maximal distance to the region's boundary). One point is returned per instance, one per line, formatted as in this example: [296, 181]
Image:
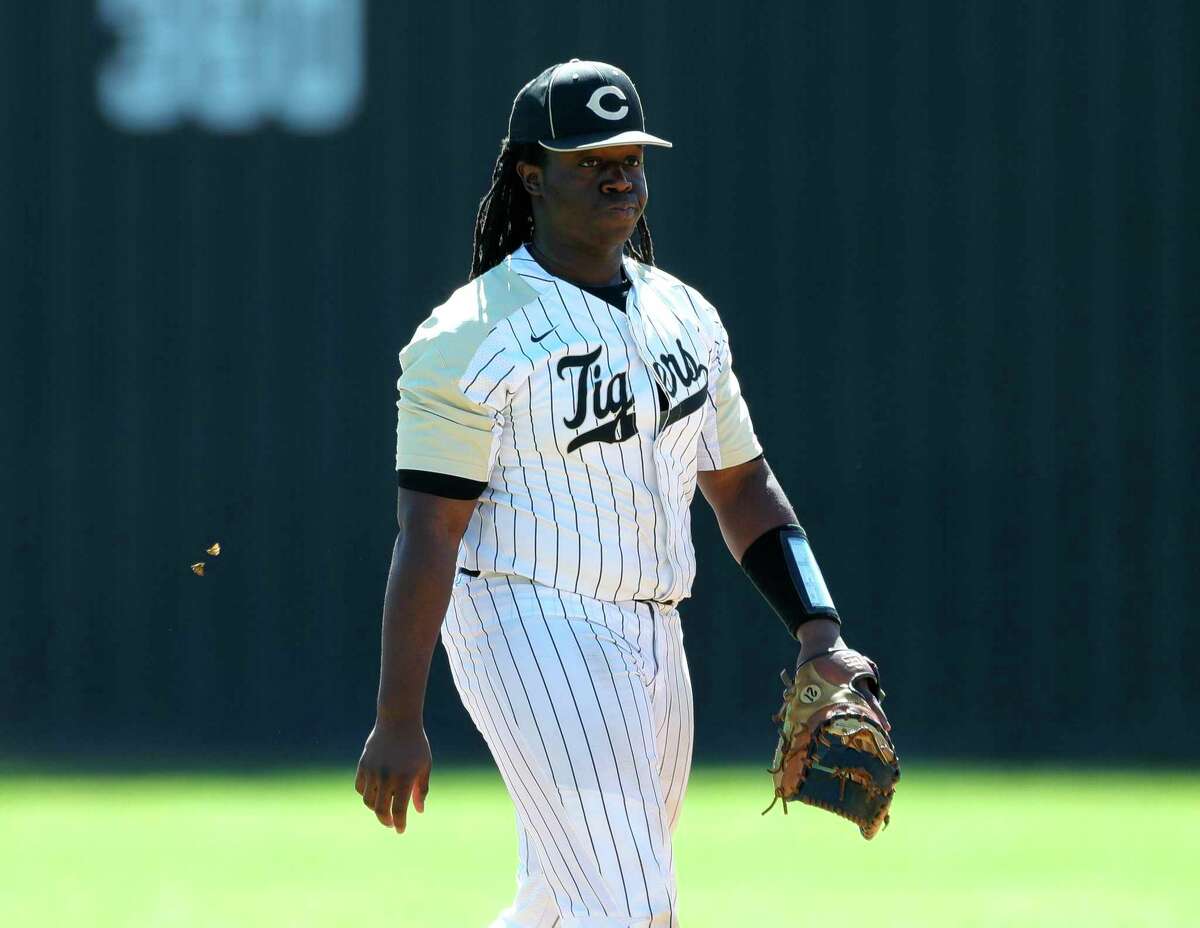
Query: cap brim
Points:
[604, 140]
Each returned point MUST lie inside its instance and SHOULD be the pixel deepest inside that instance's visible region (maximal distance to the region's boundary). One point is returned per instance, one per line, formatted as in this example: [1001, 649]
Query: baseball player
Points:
[555, 417]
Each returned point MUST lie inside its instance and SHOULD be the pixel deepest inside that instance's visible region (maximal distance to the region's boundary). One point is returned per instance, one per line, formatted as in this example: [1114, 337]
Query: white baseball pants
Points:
[587, 709]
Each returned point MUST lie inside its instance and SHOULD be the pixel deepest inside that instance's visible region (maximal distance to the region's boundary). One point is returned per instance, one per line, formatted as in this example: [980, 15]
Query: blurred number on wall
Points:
[232, 65]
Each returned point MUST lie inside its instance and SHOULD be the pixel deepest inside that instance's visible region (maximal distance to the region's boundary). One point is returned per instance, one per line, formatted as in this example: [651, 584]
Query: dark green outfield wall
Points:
[955, 246]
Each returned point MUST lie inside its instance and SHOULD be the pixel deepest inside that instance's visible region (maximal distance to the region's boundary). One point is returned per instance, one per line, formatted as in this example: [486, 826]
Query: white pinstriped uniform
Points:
[588, 426]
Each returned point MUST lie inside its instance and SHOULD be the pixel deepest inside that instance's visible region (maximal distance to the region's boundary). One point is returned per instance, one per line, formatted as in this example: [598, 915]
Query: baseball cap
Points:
[578, 105]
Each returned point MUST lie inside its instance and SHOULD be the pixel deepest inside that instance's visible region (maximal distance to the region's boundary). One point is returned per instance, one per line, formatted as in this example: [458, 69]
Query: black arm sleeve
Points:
[447, 485]
[780, 565]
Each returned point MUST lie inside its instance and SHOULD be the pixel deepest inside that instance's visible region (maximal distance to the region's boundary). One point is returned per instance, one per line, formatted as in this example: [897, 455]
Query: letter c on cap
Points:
[601, 92]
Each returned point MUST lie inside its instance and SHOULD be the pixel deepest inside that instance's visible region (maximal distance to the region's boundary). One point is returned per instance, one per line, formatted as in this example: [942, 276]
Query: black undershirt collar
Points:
[613, 294]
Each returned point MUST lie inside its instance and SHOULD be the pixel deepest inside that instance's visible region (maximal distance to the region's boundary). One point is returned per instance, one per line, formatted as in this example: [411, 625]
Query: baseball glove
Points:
[834, 751]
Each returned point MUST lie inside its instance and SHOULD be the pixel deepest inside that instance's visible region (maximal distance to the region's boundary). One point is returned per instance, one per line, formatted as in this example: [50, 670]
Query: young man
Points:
[555, 417]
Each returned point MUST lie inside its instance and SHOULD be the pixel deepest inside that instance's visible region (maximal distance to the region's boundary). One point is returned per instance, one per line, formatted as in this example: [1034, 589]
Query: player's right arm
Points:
[455, 386]
[396, 760]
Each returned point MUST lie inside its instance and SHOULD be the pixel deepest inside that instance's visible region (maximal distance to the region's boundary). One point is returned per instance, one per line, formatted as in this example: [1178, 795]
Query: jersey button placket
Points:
[666, 487]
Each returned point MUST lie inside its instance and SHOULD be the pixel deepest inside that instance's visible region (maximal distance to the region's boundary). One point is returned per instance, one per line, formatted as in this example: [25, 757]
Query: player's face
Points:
[593, 197]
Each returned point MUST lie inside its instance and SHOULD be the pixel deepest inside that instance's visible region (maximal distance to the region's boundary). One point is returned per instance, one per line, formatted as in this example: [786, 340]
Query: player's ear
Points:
[531, 177]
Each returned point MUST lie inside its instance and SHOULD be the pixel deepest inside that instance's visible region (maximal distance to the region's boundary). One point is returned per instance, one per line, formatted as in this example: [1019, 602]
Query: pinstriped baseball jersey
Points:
[587, 424]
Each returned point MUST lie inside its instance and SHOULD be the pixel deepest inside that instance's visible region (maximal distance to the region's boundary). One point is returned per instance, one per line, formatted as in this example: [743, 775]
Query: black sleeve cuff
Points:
[447, 485]
[771, 567]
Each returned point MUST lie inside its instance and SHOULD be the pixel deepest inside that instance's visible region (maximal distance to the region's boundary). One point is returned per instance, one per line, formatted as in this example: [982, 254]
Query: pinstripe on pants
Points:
[587, 709]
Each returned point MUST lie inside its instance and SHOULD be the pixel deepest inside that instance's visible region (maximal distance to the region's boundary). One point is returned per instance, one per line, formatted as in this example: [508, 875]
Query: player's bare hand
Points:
[818, 636]
[823, 636]
[394, 766]
[868, 683]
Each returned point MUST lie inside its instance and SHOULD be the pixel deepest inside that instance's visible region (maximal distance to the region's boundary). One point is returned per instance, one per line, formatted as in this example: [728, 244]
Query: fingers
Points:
[364, 785]
[877, 701]
[389, 800]
[387, 789]
[887, 726]
[370, 791]
[383, 799]
[400, 792]
[373, 788]
[867, 686]
[399, 808]
[420, 791]
[379, 796]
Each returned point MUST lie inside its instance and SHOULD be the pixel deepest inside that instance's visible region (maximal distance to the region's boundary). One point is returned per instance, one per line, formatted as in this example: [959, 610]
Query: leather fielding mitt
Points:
[834, 751]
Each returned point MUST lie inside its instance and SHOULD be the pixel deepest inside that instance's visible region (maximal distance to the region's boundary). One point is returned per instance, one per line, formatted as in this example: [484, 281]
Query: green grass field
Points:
[965, 848]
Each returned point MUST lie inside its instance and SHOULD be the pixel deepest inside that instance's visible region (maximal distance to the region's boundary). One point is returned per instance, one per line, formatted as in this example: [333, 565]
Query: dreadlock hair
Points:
[505, 217]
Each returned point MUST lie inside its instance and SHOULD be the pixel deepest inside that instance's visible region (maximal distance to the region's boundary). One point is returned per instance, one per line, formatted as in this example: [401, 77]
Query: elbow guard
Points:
[781, 565]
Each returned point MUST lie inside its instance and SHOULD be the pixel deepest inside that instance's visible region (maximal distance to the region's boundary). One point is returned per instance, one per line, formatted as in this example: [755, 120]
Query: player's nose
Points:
[616, 180]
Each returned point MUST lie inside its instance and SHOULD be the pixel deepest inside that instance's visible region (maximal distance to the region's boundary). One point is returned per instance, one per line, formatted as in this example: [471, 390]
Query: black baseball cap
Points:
[578, 105]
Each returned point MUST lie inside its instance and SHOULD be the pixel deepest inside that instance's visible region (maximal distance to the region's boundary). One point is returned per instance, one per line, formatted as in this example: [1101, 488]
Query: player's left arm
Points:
[751, 507]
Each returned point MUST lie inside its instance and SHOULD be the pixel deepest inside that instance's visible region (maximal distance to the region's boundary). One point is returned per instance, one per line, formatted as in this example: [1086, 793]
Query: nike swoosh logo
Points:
[538, 338]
